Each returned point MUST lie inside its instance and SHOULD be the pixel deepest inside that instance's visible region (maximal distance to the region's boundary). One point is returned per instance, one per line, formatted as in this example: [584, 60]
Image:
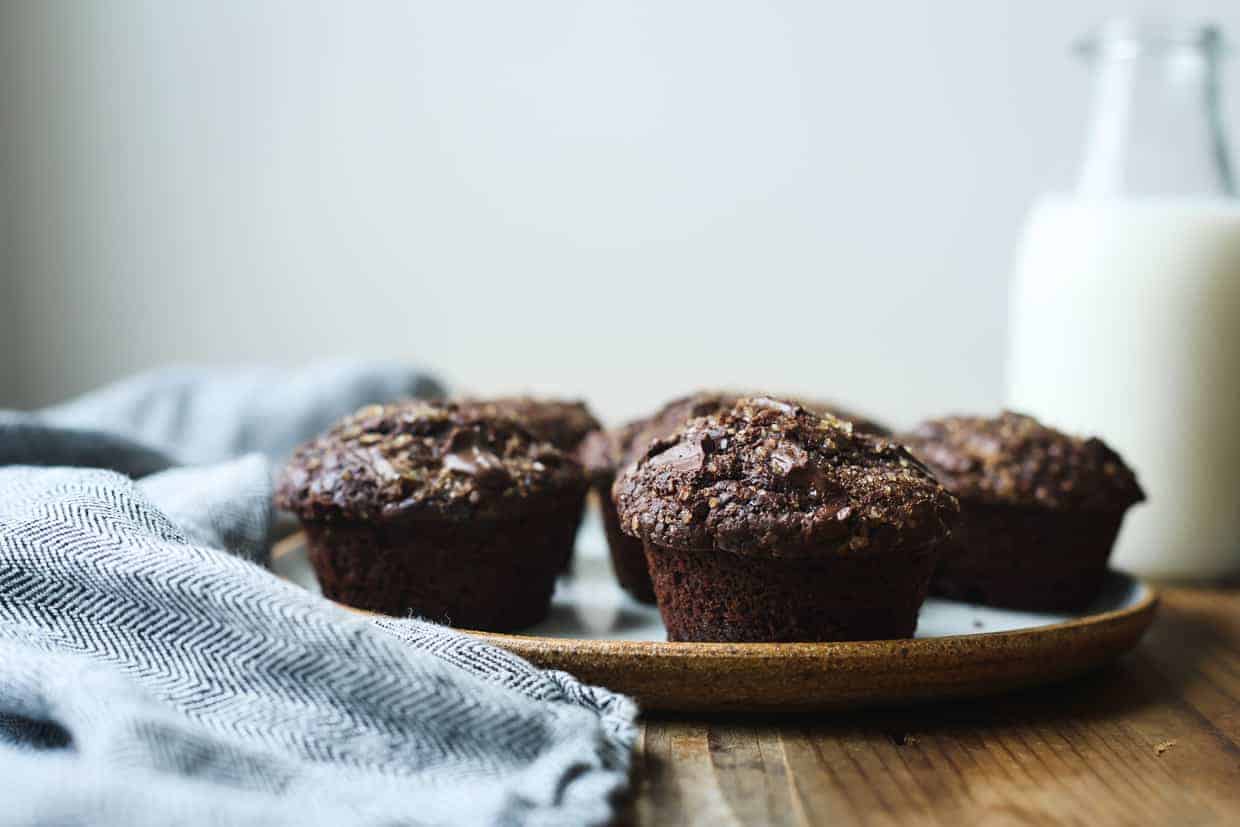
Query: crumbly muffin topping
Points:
[606, 452]
[765, 476]
[861, 424]
[427, 459]
[1014, 459]
[562, 423]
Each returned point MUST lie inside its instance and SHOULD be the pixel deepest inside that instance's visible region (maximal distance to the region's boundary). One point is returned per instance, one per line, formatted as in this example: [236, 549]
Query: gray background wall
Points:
[614, 200]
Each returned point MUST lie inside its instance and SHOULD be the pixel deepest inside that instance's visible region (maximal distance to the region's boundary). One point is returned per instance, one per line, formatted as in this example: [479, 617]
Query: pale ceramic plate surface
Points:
[599, 634]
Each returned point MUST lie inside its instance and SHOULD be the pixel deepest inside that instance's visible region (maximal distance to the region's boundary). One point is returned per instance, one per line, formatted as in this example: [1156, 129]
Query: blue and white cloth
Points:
[153, 672]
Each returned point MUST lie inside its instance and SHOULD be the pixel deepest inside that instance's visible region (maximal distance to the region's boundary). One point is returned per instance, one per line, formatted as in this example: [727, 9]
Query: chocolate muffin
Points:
[565, 424]
[604, 453]
[1040, 510]
[766, 522]
[449, 511]
[600, 456]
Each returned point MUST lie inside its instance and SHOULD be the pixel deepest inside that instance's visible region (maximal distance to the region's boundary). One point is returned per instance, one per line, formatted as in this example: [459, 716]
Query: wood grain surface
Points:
[1153, 739]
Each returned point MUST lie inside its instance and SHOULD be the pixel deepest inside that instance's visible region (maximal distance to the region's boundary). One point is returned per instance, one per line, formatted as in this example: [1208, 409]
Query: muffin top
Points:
[428, 459]
[562, 423]
[606, 452]
[768, 477]
[1013, 459]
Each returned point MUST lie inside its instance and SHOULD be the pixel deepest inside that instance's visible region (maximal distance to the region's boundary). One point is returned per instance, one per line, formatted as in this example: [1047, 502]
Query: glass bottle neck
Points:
[1156, 127]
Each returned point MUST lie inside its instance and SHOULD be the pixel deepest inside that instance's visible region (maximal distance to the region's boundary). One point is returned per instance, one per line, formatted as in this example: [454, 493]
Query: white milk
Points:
[1125, 320]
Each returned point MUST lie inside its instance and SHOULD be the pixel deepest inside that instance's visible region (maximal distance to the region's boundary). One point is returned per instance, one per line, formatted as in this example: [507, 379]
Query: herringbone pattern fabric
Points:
[148, 675]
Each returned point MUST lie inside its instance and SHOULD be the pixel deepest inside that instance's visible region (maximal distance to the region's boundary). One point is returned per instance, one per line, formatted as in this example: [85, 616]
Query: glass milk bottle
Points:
[1125, 306]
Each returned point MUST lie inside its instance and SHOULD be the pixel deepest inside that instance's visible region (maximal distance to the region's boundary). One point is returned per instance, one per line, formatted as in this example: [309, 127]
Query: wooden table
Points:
[1154, 739]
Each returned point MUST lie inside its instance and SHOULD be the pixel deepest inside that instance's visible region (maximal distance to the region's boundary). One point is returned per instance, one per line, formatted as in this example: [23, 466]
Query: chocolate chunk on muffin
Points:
[563, 423]
[604, 453]
[763, 521]
[454, 512]
[1040, 510]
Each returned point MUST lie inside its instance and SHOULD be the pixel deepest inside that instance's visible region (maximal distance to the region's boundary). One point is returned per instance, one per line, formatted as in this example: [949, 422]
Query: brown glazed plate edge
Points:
[776, 677]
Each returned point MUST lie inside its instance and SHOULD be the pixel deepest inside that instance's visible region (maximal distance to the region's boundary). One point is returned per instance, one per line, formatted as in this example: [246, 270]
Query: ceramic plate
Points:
[599, 634]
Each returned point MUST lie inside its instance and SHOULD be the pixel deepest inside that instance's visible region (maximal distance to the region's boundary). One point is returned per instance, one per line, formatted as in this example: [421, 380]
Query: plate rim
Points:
[1141, 611]
[1148, 603]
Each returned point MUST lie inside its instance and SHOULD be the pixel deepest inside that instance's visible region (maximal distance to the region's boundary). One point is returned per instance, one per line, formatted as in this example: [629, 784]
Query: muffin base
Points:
[628, 558]
[579, 516]
[1026, 558]
[711, 595]
[488, 575]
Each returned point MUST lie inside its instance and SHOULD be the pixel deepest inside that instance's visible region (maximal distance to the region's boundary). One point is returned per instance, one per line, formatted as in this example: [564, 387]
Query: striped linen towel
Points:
[152, 671]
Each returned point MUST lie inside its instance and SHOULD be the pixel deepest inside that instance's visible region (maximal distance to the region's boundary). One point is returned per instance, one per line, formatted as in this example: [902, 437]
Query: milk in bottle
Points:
[1125, 303]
